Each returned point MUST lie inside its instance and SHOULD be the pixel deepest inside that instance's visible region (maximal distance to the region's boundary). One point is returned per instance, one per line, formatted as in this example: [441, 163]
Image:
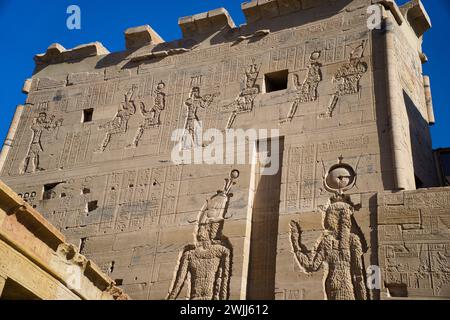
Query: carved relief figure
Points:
[152, 116]
[40, 123]
[339, 247]
[347, 78]
[119, 124]
[307, 90]
[245, 101]
[192, 124]
[206, 264]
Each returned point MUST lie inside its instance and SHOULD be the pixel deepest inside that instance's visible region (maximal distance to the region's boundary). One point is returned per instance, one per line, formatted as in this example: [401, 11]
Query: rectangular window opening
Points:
[91, 206]
[87, 115]
[276, 81]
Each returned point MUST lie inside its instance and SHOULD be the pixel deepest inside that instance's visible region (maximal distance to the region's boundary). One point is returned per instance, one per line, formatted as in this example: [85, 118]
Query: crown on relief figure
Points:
[229, 182]
[252, 72]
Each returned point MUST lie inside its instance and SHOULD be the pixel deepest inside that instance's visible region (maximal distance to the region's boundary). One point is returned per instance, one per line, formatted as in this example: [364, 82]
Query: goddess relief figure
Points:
[340, 249]
[206, 264]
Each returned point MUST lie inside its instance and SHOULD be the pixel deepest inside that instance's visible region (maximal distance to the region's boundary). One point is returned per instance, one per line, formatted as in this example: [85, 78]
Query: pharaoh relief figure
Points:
[245, 101]
[340, 246]
[205, 265]
[119, 124]
[307, 90]
[192, 125]
[347, 78]
[40, 124]
[152, 117]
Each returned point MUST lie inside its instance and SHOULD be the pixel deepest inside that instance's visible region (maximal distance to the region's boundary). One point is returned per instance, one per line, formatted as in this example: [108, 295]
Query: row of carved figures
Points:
[347, 78]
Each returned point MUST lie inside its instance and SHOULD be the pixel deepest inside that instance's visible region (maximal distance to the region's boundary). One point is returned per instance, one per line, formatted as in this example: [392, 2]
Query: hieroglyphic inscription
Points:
[137, 198]
[359, 142]
[300, 177]
[75, 149]
[414, 245]
[307, 90]
[409, 70]
[92, 96]
[48, 83]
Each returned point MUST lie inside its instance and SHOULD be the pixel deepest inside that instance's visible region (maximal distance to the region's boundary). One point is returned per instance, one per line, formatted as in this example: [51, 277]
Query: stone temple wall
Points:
[93, 145]
[36, 262]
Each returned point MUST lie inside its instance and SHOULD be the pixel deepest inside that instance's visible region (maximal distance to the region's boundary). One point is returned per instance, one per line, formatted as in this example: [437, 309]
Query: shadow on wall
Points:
[384, 136]
[422, 153]
[264, 234]
[421, 146]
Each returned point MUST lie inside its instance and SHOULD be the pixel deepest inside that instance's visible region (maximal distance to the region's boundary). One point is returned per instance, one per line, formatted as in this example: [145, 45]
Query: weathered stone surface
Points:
[417, 16]
[207, 22]
[35, 257]
[141, 36]
[58, 54]
[93, 145]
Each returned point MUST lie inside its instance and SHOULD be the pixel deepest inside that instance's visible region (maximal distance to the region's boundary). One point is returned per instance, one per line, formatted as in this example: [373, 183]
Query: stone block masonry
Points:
[91, 147]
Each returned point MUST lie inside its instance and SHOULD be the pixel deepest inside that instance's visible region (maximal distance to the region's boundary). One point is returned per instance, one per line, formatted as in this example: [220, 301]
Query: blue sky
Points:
[29, 27]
